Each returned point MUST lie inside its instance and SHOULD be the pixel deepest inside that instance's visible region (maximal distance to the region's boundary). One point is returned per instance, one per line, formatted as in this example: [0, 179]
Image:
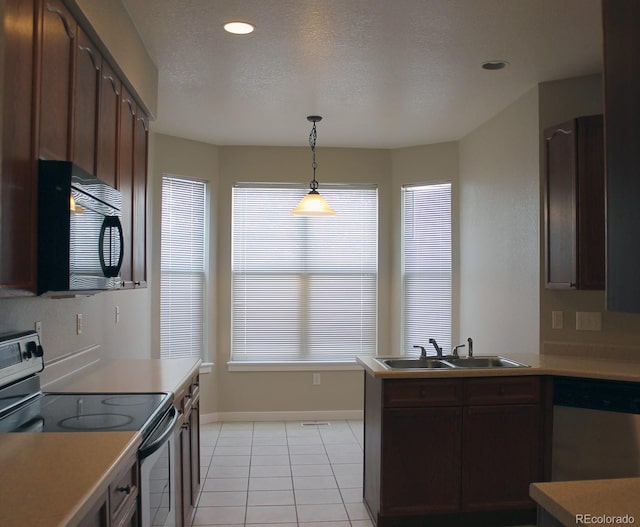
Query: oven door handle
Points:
[158, 437]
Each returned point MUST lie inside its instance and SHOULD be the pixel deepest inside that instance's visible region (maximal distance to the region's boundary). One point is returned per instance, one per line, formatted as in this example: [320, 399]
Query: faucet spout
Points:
[423, 352]
[435, 345]
[470, 347]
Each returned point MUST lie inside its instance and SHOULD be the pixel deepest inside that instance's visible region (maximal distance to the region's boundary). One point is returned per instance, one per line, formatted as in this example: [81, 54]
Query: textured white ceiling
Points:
[382, 73]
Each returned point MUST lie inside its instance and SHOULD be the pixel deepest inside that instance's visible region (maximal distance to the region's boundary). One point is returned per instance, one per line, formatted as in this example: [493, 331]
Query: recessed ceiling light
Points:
[239, 28]
[495, 64]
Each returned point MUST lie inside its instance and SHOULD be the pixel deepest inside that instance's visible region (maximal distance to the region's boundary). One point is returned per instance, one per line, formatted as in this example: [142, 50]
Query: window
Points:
[303, 289]
[426, 266]
[182, 266]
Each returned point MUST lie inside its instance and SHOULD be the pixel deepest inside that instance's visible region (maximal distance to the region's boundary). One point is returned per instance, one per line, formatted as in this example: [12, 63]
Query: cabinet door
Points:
[85, 103]
[185, 464]
[97, 516]
[195, 452]
[591, 203]
[621, 20]
[560, 203]
[107, 135]
[57, 47]
[139, 212]
[127, 120]
[501, 456]
[18, 190]
[420, 460]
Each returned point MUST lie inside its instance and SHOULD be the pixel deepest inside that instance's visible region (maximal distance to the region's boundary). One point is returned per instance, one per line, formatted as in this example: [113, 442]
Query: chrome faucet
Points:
[423, 352]
[438, 348]
[470, 347]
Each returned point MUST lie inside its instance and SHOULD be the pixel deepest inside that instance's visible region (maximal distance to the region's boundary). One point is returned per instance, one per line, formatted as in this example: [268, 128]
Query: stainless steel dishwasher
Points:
[596, 429]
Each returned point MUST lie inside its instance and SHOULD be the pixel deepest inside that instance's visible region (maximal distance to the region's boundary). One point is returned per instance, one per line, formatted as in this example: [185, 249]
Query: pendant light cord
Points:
[313, 137]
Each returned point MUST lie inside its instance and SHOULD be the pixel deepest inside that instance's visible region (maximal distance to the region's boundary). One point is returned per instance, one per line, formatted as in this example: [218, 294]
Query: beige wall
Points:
[415, 165]
[561, 101]
[292, 391]
[181, 157]
[499, 231]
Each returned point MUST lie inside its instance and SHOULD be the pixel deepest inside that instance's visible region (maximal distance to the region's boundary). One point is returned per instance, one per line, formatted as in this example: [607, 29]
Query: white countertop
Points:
[571, 501]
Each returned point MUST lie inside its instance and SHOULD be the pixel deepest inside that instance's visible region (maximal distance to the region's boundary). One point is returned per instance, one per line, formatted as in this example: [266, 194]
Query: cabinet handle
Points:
[137, 282]
[63, 18]
[126, 490]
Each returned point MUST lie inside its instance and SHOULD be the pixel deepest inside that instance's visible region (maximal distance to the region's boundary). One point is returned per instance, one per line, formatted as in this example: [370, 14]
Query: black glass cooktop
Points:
[95, 412]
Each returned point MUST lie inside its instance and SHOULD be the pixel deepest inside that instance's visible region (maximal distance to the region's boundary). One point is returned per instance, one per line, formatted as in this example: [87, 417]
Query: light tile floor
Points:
[282, 473]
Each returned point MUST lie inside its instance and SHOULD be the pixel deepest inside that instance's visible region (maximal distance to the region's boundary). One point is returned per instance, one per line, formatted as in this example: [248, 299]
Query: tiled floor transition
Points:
[287, 474]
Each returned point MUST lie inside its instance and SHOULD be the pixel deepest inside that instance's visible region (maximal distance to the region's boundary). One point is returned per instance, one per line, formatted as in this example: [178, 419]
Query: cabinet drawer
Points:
[502, 390]
[409, 393]
[123, 490]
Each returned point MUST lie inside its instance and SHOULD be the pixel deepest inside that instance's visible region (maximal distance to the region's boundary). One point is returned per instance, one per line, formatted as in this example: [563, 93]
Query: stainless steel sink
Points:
[416, 364]
[480, 362]
[494, 361]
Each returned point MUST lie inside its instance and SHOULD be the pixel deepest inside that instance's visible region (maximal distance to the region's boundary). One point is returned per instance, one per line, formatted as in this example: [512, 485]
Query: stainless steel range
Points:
[25, 408]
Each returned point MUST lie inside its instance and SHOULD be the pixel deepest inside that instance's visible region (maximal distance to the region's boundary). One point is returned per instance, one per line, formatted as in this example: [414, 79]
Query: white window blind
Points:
[426, 266]
[303, 289]
[183, 257]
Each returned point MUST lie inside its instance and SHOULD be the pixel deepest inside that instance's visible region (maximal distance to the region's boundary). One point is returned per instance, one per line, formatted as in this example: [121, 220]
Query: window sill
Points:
[292, 366]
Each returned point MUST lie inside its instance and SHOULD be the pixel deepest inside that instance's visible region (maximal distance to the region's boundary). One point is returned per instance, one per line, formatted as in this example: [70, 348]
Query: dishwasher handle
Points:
[160, 434]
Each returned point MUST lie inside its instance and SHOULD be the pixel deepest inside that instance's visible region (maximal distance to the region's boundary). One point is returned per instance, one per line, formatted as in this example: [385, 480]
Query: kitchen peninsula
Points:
[462, 446]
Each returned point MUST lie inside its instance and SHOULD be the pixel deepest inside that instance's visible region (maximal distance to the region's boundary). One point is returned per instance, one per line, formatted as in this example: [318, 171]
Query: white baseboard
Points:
[317, 415]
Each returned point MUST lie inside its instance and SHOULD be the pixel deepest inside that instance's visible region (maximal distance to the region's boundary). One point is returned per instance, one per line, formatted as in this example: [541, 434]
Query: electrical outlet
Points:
[588, 321]
[117, 314]
[316, 378]
[38, 327]
[79, 324]
[557, 319]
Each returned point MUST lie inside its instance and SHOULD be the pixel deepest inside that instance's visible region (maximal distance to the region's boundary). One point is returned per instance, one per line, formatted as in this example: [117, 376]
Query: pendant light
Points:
[313, 204]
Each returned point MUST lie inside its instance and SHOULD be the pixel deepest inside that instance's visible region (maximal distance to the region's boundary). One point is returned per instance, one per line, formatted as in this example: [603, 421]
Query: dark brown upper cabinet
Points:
[127, 122]
[18, 191]
[574, 202]
[107, 130]
[85, 102]
[621, 21]
[57, 32]
[139, 214]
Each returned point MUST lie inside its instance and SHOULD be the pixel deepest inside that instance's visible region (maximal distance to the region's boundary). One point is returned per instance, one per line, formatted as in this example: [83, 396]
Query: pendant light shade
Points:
[313, 204]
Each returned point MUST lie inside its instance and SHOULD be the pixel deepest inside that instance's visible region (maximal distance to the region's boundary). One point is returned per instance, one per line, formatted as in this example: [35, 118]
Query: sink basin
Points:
[450, 362]
[416, 364]
[485, 362]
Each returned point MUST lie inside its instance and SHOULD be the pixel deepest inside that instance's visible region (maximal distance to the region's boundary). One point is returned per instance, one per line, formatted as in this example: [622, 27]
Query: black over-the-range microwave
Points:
[80, 237]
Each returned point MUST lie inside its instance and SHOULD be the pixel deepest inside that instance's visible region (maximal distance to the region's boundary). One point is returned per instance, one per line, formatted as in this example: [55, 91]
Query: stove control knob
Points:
[30, 349]
[38, 352]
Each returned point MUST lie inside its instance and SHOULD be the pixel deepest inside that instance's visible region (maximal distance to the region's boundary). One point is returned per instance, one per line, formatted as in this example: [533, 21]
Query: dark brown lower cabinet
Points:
[501, 456]
[454, 452]
[118, 507]
[416, 483]
[188, 400]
